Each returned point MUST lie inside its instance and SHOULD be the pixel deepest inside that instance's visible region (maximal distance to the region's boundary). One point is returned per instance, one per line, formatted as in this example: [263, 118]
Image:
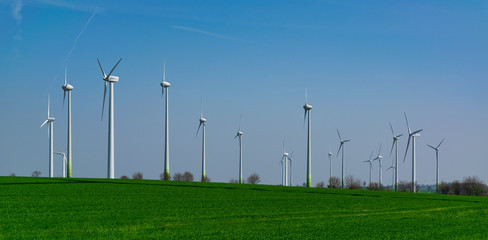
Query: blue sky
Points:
[363, 63]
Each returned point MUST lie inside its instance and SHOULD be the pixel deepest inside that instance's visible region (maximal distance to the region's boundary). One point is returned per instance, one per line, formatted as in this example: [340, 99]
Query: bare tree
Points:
[320, 185]
[444, 188]
[473, 186]
[178, 177]
[124, 177]
[406, 186]
[207, 179]
[353, 183]
[254, 179]
[12, 175]
[137, 175]
[334, 182]
[233, 181]
[36, 173]
[374, 186]
[456, 187]
[187, 176]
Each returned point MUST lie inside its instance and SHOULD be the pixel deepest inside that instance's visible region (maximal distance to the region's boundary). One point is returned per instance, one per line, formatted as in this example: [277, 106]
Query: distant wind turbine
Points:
[330, 164]
[380, 158]
[202, 124]
[342, 146]
[111, 80]
[239, 134]
[412, 135]
[395, 144]
[437, 164]
[64, 162]
[307, 109]
[290, 158]
[284, 167]
[370, 161]
[165, 85]
[50, 121]
[393, 175]
[68, 88]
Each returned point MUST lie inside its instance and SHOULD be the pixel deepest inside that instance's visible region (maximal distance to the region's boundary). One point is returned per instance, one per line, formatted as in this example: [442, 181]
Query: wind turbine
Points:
[307, 109]
[284, 167]
[342, 146]
[395, 144]
[370, 161]
[165, 85]
[239, 134]
[412, 135]
[64, 162]
[393, 176]
[437, 164]
[67, 88]
[380, 158]
[202, 124]
[50, 121]
[111, 80]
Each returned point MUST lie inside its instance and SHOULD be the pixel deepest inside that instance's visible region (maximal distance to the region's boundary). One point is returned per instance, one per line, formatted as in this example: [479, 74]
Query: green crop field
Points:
[42, 208]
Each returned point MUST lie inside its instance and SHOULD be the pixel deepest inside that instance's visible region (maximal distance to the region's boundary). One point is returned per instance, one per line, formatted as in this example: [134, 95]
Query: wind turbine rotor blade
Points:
[64, 97]
[370, 156]
[432, 147]
[304, 116]
[392, 130]
[440, 143]
[408, 126]
[379, 151]
[348, 140]
[399, 135]
[291, 156]
[162, 91]
[417, 131]
[283, 147]
[339, 134]
[236, 135]
[103, 103]
[103, 73]
[114, 68]
[389, 168]
[164, 71]
[338, 151]
[392, 145]
[199, 125]
[305, 96]
[406, 150]
[48, 104]
[44, 123]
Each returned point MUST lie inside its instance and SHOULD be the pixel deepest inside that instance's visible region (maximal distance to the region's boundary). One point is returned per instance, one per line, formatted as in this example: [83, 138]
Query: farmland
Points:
[45, 208]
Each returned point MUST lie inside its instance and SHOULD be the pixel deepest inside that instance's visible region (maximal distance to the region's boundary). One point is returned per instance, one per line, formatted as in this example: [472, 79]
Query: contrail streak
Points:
[203, 32]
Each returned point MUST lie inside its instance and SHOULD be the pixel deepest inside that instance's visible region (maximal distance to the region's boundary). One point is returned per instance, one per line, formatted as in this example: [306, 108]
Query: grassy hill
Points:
[44, 208]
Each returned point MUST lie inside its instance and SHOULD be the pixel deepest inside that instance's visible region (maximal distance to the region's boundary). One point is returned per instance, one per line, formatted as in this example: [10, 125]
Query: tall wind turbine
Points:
[67, 88]
[342, 146]
[307, 109]
[202, 124]
[395, 144]
[290, 180]
[284, 167]
[165, 85]
[50, 121]
[239, 134]
[64, 162]
[412, 135]
[111, 80]
[370, 161]
[437, 164]
[380, 158]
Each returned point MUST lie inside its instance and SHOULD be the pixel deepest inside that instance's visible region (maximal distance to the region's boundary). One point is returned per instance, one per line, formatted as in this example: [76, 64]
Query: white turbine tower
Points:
[342, 146]
[50, 121]
[307, 109]
[437, 165]
[202, 124]
[111, 80]
[290, 181]
[284, 167]
[330, 164]
[165, 85]
[380, 158]
[395, 144]
[412, 135]
[239, 134]
[64, 162]
[67, 88]
[393, 176]
[370, 161]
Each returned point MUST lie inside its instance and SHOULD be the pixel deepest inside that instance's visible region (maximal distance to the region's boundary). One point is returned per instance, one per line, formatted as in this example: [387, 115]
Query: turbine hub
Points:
[239, 133]
[165, 84]
[202, 120]
[112, 79]
[67, 87]
[307, 107]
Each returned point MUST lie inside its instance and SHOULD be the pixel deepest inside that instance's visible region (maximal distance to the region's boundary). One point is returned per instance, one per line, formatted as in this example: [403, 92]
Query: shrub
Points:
[444, 188]
[207, 179]
[12, 175]
[353, 183]
[233, 181]
[473, 186]
[124, 177]
[165, 176]
[254, 179]
[334, 182]
[137, 175]
[374, 186]
[320, 185]
[178, 177]
[36, 173]
[456, 187]
[187, 176]
[406, 186]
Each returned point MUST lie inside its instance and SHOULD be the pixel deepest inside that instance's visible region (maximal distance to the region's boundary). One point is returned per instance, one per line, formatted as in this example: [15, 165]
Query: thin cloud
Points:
[16, 8]
[204, 32]
[68, 5]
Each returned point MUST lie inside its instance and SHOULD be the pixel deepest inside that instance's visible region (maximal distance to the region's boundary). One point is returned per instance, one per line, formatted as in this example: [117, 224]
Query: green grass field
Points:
[42, 208]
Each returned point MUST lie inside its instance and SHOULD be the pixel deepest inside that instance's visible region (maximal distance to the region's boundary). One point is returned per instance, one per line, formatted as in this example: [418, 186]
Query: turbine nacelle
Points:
[67, 87]
[165, 84]
[307, 107]
[111, 79]
[202, 120]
